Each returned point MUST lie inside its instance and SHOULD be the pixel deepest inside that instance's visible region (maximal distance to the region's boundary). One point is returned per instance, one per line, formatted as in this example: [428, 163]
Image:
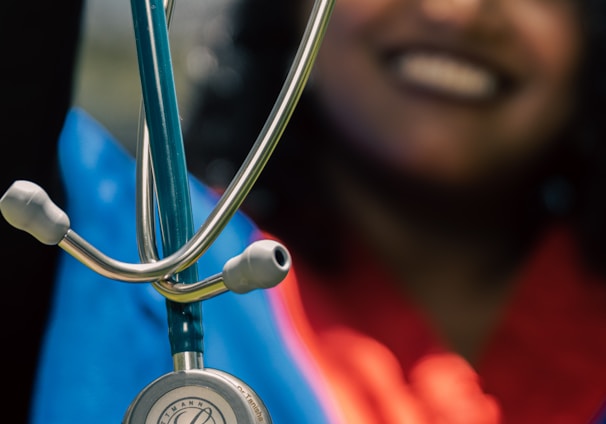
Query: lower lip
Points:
[431, 93]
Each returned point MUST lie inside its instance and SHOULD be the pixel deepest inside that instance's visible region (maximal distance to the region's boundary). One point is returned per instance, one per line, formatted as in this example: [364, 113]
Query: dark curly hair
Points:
[225, 123]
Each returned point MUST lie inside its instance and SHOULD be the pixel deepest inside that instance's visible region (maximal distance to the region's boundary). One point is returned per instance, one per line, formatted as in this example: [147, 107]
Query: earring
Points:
[557, 195]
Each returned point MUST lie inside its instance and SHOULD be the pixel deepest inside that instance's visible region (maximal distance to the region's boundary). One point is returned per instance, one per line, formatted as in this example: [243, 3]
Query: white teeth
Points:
[447, 75]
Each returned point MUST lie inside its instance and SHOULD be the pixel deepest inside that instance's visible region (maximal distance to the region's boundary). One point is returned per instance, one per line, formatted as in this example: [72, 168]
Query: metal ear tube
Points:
[190, 393]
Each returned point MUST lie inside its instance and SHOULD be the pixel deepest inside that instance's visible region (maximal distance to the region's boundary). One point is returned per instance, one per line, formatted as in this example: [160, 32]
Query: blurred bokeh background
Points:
[107, 82]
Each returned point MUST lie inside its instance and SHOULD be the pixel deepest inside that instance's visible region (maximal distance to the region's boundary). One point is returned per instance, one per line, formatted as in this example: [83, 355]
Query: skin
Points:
[456, 256]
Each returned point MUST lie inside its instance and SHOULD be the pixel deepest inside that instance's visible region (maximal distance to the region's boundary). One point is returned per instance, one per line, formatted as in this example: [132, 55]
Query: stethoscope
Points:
[163, 191]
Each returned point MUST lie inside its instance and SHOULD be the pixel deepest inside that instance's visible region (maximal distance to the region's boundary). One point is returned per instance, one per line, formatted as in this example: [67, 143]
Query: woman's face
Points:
[450, 90]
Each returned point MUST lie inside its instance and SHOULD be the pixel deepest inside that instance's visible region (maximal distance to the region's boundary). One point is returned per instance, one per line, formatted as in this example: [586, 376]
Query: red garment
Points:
[383, 362]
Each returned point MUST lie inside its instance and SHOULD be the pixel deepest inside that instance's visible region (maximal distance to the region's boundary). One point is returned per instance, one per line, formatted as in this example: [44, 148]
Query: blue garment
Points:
[106, 340]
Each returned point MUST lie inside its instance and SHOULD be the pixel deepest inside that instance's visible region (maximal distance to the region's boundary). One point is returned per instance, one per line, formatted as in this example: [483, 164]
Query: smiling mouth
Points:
[447, 76]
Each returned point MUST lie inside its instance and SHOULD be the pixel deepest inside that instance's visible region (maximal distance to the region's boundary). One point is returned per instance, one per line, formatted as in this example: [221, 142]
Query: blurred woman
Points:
[439, 189]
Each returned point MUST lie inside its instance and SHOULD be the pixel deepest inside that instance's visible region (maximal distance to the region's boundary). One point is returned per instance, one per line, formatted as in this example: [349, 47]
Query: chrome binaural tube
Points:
[235, 193]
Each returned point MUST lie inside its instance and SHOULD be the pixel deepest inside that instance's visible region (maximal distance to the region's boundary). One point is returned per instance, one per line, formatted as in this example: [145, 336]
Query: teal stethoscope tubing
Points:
[166, 148]
[168, 165]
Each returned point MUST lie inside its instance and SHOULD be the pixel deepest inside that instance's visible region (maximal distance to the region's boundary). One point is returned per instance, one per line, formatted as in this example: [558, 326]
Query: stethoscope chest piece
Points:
[198, 396]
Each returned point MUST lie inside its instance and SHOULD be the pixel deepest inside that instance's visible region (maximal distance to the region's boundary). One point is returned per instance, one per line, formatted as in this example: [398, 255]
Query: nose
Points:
[459, 13]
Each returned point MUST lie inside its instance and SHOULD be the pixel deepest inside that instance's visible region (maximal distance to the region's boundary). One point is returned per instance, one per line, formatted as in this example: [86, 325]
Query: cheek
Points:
[551, 34]
[346, 86]
[354, 20]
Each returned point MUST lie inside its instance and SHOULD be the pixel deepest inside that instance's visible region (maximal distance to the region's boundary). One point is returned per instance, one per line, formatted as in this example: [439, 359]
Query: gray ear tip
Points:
[263, 264]
[26, 206]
